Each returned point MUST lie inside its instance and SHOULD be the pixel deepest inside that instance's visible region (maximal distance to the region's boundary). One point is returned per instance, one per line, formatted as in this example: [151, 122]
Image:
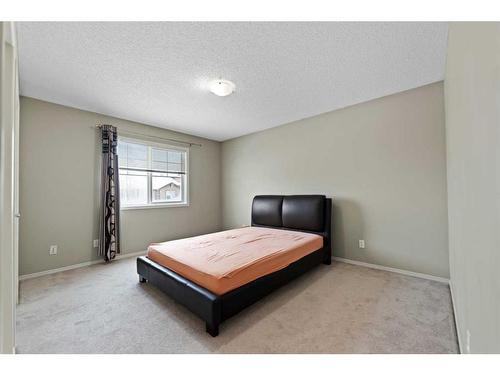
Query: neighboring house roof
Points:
[161, 182]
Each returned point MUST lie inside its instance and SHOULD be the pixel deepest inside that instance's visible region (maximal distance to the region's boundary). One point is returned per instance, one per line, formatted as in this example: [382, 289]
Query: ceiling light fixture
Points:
[221, 87]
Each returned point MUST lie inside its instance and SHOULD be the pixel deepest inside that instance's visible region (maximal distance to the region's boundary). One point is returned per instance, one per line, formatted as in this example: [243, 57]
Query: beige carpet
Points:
[332, 309]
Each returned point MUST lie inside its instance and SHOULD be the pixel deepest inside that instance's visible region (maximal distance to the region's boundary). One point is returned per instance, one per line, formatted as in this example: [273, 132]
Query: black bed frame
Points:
[303, 213]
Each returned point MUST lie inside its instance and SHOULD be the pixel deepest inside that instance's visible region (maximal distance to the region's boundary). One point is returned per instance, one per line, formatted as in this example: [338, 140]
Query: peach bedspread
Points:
[223, 261]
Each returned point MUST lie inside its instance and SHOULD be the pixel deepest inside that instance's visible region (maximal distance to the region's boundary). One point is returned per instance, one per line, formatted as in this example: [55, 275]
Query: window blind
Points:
[145, 158]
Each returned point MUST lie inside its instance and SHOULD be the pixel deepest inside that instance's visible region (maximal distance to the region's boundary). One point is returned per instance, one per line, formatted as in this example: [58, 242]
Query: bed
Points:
[217, 275]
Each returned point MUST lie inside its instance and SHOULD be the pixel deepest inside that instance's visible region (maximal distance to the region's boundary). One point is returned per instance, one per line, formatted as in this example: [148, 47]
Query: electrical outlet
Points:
[53, 250]
[96, 243]
[361, 244]
[467, 345]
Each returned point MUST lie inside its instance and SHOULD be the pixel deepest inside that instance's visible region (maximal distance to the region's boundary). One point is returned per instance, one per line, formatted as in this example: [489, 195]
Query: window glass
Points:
[151, 175]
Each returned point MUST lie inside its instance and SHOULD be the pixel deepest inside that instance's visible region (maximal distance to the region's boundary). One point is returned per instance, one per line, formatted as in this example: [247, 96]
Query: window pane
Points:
[132, 155]
[158, 165]
[122, 154]
[159, 155]
[174, 157]
[133, 188]
[174, 167]
[167, 188]
[137, 156]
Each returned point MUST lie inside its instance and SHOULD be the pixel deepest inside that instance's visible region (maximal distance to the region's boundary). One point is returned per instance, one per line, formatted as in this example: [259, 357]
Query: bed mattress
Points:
[223, 261]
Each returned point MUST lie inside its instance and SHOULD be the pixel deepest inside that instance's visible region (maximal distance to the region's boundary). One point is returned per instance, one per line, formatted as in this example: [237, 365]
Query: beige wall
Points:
[472, 92]
[59, 189]
[383, 162]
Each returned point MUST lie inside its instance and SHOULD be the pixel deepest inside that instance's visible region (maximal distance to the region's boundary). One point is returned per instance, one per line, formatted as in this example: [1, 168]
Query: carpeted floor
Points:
[333, 309]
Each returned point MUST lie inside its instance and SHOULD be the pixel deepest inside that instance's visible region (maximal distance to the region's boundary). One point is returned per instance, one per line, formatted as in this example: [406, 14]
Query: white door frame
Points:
[17, 215]
[9, 102]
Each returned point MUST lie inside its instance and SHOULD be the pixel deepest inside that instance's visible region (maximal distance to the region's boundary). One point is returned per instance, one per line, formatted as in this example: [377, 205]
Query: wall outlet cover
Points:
[361, 244]
[96, 243]
[53, 250]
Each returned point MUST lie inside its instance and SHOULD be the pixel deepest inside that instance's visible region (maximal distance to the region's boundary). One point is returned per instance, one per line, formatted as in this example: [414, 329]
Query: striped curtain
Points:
[109, 218]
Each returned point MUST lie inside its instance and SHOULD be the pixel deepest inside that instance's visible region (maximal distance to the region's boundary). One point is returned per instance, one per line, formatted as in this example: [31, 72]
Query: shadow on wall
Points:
[345, 214]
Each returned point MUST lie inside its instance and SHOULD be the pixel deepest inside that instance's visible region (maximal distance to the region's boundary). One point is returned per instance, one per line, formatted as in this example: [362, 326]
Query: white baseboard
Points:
[79, 265]
[390, 269]
[455, 316]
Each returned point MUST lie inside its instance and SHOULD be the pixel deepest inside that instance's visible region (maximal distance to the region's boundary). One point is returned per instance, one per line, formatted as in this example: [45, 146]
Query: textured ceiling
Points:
[156, 73]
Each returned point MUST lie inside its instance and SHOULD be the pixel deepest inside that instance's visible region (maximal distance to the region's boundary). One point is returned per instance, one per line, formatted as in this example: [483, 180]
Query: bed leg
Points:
[327, 258]
[142, 279]
[212, 329]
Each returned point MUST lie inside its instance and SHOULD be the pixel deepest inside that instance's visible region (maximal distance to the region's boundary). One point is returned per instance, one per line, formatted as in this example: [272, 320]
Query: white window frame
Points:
[152, 204]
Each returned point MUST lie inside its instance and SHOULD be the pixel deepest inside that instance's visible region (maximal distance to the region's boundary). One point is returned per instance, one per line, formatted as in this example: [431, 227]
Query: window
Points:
[151, 174]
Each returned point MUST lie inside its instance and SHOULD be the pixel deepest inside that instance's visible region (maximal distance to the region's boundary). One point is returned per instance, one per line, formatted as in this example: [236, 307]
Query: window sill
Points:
[159, 205]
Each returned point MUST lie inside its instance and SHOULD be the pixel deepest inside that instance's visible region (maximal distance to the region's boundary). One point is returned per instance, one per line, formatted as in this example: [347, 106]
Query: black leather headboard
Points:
[267, 210]
[299, 212]
[304, 212]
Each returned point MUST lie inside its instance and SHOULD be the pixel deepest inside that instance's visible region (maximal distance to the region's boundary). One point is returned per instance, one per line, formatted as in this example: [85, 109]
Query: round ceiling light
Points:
[221, 87]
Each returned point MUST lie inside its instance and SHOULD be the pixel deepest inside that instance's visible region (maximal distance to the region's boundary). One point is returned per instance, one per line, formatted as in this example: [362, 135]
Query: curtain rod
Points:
[99, 126]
